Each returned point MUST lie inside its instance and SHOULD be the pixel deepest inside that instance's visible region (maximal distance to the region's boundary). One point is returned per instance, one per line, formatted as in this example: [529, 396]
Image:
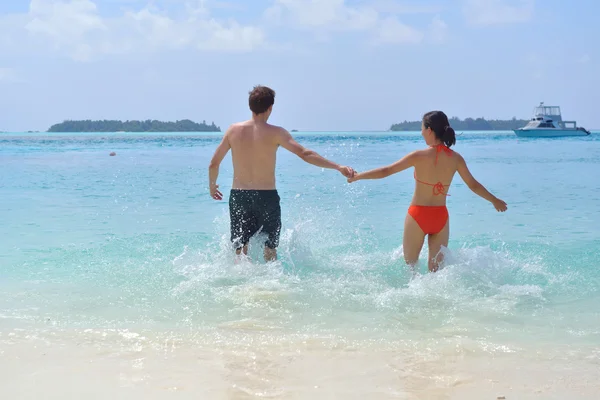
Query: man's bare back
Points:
[254, 202]
[253, 149]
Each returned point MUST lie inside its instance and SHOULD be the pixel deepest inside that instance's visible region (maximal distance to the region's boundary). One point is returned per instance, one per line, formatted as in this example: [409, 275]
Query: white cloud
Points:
[155, 31]
[66, 24]
[392, 31]
[332, 15]
[77, 28]
[396, 7]
[329, 16]
[228, 5]
[438, 30]
[64, 20]
[234, 37]
[80, 30]
[498, 12]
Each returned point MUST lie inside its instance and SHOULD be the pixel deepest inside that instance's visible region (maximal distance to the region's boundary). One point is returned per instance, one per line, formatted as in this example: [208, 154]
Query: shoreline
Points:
[246, 364]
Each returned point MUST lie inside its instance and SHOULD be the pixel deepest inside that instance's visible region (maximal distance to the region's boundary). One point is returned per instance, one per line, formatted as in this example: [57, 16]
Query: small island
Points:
[468, 124]
[133, 126]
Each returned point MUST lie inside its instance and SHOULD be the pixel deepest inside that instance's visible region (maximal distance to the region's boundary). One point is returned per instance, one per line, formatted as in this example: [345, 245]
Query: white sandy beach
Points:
[249, 365]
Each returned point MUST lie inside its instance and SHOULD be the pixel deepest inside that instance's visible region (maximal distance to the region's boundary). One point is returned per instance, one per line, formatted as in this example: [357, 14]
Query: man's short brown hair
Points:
[261, 98]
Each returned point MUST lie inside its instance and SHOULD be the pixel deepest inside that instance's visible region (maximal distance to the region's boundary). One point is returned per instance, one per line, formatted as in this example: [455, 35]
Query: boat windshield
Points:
[539, 123]
[547, 124]
[532, 124]
[547, 110]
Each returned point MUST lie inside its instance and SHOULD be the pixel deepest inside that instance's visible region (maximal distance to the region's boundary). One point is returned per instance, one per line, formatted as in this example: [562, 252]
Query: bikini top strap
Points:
[438, 188]
[439, 148]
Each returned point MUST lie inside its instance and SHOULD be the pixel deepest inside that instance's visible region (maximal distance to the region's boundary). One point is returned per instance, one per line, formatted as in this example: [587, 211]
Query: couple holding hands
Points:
[254, 204]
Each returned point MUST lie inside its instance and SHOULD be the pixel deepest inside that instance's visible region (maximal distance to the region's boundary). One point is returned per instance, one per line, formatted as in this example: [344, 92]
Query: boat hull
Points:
[548, 133]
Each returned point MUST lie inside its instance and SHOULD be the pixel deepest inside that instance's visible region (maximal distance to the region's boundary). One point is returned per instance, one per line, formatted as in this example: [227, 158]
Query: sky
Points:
[344, 65]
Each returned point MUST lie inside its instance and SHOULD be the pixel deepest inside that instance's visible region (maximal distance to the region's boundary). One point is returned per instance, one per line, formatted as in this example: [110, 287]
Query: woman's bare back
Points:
[435, 168]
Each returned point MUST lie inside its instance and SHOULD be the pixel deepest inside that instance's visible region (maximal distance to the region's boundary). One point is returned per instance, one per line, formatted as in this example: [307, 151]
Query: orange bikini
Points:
[432, 219]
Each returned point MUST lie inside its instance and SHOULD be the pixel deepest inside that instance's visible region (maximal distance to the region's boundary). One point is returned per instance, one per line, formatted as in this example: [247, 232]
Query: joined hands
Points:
[348, 172]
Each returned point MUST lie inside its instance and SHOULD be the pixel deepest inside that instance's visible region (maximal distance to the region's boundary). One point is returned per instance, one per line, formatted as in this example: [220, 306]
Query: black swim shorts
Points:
[254, 211]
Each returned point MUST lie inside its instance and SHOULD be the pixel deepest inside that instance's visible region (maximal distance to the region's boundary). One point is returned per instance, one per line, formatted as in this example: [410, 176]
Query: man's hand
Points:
[215, 193]
[213, 167]
[354, 178]
[348, 172]
[499, 205]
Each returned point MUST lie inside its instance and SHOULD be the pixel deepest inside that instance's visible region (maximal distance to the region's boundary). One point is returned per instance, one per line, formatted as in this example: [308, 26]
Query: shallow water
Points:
[128, 254]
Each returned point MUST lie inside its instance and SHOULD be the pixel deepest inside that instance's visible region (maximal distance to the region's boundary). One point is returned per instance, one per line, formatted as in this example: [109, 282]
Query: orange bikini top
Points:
[439, 187]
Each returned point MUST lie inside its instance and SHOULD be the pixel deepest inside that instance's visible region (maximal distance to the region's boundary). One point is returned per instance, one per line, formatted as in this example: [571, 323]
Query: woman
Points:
[434, 169]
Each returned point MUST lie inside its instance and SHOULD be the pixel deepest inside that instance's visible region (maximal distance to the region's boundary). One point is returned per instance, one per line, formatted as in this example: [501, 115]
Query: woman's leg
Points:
[412, 242]
[436, 242]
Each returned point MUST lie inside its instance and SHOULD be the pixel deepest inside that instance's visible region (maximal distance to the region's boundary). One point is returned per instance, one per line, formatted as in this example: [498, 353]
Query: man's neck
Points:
[260, 118]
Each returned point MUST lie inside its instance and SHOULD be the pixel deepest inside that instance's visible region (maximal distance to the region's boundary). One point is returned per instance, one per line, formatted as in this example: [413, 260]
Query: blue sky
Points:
[335, 64]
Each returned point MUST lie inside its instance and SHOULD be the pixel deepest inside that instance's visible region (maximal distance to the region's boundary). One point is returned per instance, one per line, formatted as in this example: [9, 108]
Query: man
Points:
[254, 201]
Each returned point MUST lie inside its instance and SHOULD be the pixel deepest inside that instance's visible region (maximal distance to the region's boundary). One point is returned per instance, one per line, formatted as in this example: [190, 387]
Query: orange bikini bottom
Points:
[431, 219]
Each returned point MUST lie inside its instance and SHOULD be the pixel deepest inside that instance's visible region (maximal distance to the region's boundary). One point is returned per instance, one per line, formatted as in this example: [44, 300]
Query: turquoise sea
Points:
[117, 279]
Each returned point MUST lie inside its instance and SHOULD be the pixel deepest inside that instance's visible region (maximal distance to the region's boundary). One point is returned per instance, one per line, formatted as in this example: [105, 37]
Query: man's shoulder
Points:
[279, 130]
[271, 130]
[237, 125]
[249, 123]
[236, 128]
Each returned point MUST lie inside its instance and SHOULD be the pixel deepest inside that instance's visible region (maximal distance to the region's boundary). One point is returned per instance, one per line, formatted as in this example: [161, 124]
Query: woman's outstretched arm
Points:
[383, 172]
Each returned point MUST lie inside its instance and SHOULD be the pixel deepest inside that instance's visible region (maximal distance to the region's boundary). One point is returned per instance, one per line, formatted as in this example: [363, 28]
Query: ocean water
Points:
[117, 277]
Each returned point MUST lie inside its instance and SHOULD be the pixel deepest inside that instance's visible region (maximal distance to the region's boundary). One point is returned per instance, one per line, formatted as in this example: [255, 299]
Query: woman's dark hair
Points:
[439, 124]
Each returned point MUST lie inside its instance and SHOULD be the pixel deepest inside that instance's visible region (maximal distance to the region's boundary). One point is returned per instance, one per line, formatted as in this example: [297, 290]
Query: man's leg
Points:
[271, 224]
[242, 222]
[270, 254]
[243, 250]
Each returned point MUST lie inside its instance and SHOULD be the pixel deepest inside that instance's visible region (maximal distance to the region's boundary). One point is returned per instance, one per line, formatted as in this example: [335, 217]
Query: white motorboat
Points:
[547, 122]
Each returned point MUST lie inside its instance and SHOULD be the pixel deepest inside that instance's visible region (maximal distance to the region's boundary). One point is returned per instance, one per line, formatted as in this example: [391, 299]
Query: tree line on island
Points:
[133, 126]
[468, 124]
[186, 125]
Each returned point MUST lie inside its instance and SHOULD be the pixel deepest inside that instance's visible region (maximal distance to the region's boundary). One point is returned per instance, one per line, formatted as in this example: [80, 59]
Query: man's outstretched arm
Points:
[287, 142]
[213, 168]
